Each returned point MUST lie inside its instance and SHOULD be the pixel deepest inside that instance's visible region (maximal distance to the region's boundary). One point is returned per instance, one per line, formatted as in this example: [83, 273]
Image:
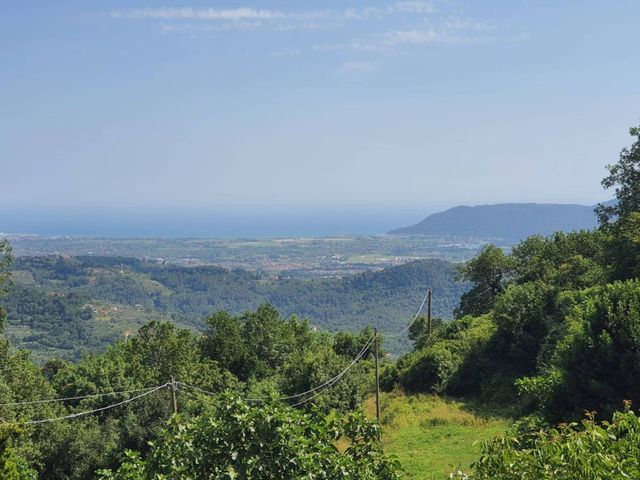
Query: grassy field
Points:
[432, 436]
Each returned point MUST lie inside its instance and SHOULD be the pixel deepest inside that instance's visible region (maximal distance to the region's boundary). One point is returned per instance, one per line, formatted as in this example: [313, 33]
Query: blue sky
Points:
[410, 105]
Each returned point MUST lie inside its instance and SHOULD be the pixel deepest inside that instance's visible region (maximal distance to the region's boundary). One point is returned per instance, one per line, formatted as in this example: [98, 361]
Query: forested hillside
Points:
[63, 306]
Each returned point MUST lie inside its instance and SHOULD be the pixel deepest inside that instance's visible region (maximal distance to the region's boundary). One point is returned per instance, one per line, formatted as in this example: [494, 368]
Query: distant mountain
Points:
[512, 221]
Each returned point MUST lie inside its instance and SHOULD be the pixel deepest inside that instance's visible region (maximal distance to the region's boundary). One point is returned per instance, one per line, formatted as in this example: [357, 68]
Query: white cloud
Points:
[415, 7]
[248, 13]
[458, 23]
[431, 36]
[422, 24]
[198, 14]
[413, 37]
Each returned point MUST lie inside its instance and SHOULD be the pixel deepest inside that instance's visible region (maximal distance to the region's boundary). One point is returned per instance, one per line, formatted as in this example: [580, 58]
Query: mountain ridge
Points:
[513, 221]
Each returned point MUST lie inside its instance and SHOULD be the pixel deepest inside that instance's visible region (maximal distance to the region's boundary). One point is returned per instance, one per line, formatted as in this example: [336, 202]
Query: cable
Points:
[189, 394]
[328, 383]
[337, 379]
[64, 399]
[206, 392]
[290, 397]
[338, 376]
[415, 317]
[89, 412]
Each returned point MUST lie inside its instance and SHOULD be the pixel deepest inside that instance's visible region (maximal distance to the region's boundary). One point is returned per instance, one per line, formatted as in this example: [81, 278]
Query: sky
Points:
[333, 106]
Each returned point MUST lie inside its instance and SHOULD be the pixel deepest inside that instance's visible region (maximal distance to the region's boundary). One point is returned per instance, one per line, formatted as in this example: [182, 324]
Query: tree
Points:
[625, 177]
[12, 465]
[224, 342]
[489, 272]
[621, 219]
[237, 441]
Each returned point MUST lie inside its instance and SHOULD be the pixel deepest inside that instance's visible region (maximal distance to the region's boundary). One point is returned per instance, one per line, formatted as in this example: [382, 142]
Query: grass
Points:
[432, 436]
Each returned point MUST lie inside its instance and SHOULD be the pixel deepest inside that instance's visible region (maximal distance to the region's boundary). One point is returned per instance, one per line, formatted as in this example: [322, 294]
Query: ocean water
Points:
[229, 224]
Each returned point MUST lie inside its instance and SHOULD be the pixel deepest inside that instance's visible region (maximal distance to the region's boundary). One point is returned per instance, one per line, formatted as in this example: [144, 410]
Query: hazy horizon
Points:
[211, 223]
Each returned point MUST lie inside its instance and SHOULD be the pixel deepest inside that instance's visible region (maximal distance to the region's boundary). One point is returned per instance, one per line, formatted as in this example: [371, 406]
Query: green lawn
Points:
[432, 436]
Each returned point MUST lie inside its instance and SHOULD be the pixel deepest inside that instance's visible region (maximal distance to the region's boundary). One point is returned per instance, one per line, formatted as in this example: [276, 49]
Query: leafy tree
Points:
[596, 365]
[440, 366]
[223, 342]
[489, 272]
[237, 441]
[624, 176]
[624, 247]
[521, 315]
[621, 219]
[573, 260]
[348, 344]
[13, 466]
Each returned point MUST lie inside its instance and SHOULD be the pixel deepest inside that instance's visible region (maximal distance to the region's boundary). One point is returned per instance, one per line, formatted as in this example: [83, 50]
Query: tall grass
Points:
[433, 436]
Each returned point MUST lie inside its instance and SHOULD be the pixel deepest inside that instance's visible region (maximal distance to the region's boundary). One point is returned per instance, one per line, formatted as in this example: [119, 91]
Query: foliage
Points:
[522, 330]
[64, 306]
[488, 272]
[12, 465]
[623, 249]
[439, 366]
[277, 357]
[588, 450]
[625, 177]
[236, 441]
[597, 364]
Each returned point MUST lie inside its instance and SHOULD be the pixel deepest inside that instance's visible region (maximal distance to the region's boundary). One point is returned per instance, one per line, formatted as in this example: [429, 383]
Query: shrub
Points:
[237, 441]
[587, 451]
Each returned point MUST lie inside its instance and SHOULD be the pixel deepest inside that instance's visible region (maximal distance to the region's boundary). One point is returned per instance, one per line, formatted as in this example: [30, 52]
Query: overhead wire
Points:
[327, 383]
[79, 397]
[96, 410]
[413, 320]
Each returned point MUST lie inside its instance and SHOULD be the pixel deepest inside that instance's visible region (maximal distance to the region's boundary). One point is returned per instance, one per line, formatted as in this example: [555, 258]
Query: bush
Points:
[238, 441]
[598, 362]
[437, 367]
[587, 451]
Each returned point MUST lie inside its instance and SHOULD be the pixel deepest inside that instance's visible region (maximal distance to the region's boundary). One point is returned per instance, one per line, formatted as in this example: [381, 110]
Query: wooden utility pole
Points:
[174, 401]
[429, 314]
[375, 342]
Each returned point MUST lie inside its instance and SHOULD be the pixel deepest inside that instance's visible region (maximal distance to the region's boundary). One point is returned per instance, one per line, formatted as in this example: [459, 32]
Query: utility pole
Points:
[375, 340]
[174, 401]
[429, 315]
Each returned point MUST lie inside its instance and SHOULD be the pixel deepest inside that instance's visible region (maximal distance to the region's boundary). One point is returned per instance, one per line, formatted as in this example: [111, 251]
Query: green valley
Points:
[64, 306]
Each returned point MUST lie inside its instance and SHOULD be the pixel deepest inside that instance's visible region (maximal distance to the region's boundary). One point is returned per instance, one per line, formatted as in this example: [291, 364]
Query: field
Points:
[432, 436]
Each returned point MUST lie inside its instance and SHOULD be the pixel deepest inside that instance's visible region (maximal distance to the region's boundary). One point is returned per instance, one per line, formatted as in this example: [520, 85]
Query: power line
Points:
[413, 320]
[327, 383]
[188, 394]
[340, 375]
[81, 397]
[96, 410]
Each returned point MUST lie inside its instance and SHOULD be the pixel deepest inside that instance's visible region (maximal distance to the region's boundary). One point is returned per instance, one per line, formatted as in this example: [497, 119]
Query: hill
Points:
[512, 221]
[63, 306]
